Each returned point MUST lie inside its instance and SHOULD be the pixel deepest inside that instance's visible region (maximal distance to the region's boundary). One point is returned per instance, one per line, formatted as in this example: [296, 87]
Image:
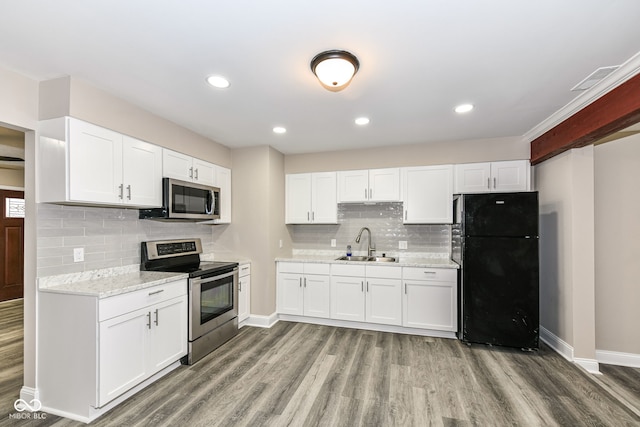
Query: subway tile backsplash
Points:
[385, 222]
[110, 237]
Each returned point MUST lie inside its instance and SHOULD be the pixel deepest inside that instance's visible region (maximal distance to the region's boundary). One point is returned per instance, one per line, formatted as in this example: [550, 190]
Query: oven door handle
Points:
[198, 281]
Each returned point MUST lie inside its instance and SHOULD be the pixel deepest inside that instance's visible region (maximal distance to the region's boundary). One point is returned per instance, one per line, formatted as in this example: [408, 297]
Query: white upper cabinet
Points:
[514, 175]
[374, 185]
[427, 194]
[186, 168]
[311, 198]
[223, 182]
[81, 163]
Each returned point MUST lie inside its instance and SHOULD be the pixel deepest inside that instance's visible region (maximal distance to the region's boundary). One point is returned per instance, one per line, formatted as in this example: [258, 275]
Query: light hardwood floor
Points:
[297, 374]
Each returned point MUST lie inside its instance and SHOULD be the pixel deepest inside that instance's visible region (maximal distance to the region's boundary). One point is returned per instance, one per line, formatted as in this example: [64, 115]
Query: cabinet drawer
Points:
[131, 301]
[347, 270]
[437, 274]
[317, 268]
[290, 267]
[384, 271]
[245, 270]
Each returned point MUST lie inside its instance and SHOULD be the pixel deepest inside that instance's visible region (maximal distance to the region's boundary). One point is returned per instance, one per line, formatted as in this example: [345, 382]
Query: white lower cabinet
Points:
[303, 289]
[92, 350]
[430, 298]
[368, 293]
[244, 292]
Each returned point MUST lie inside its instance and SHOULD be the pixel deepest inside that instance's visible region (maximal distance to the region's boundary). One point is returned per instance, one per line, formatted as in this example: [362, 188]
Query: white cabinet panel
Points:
[374, 185]
[311, 198]
[142, 172]
[347, 298]
[204, 172]
[244, 292]
[168, 334]
[428, 194]
[223, 182]
[123, 354]
[186, 168]
[430, 298]
[507, 176]
[384, 301]
[303, 294]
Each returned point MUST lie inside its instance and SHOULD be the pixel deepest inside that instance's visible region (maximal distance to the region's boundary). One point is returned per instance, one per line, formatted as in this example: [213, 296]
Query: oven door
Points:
[214, 301]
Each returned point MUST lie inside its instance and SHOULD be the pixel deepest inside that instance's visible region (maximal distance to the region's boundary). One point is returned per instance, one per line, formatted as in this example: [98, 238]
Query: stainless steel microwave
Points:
[182, 200]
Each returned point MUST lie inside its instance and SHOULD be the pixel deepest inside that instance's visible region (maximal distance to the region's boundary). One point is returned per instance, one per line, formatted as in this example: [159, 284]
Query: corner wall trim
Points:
[618, 358]
[589, 365]
[29, 393]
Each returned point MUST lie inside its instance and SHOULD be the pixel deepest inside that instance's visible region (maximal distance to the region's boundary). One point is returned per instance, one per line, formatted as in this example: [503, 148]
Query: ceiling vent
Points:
[594, 78]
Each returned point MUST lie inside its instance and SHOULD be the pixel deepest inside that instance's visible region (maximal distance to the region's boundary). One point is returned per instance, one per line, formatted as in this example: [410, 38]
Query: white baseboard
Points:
[261, 321]
[565, 350]
[618, 358]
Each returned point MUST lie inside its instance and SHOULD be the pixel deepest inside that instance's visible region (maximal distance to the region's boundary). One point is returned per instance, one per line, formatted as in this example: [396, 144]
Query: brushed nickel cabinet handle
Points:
[405, 288]
[305, 282]
[156, 317]
[128, 192]
[191, 172]
[196, 174]
[370, 194]
[149, 320]
[494, 183]
[121, 187]
[489, 183]
[365, 193]
[156, 292]
[301, 282]
[362, 286]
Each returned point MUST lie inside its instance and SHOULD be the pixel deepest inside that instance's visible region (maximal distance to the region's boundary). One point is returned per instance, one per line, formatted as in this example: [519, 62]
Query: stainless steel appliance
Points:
[495, 241]
[213, 291]
[182, 200]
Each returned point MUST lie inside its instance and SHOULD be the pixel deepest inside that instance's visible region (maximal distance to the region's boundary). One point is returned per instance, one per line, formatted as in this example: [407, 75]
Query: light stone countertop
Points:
[413, 261]
[106, 283]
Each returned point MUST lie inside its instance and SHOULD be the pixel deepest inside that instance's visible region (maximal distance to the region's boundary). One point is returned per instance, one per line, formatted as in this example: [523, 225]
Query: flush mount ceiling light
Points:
[335, 69]
[279, 129]
[361, 121]
[463, 108]
[218, 81]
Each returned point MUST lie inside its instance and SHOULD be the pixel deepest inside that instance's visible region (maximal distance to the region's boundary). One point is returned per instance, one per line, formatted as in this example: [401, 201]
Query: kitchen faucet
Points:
[371, 248]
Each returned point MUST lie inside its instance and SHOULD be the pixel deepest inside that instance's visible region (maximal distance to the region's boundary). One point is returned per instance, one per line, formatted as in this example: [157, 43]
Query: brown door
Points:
[11, 244]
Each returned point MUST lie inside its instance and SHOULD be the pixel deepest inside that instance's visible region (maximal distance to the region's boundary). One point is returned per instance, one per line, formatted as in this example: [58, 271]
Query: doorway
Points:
[11, 244]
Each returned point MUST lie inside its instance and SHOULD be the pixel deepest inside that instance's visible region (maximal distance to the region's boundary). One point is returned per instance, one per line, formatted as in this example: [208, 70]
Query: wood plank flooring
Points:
[297, 374]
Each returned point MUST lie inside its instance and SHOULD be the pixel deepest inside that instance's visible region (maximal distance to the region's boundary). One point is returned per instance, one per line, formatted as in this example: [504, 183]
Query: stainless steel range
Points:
[213, 291]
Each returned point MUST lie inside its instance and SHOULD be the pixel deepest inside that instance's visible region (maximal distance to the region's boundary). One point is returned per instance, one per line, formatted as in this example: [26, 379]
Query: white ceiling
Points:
[514, 60]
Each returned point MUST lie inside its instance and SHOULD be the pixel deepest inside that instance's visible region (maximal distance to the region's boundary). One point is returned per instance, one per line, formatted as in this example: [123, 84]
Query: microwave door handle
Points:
[209, 207]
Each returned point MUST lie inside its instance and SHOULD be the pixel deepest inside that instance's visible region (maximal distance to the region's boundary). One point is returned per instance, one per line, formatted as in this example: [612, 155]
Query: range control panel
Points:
[171, 248]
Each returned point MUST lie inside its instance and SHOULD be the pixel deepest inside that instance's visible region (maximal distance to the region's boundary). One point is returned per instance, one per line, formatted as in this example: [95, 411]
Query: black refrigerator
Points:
[495, 241]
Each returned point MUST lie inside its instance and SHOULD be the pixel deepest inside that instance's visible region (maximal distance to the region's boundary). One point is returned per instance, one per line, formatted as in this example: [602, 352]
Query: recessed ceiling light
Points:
[463, 108]
[218, 81]
[362, 121]
[279, 129]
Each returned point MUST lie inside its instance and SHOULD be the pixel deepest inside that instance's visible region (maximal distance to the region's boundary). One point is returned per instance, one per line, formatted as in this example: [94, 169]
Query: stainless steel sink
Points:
[353, 258]
[368, 258]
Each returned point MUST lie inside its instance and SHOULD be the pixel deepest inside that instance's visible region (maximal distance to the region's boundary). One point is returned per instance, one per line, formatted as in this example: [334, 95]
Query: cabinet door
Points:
[223, 181]
[290, 297]
[316, 296]
[244, 297]
[177, 165]
[324, 198]
[347, 298]
[122, 354]
[430, 305]
[353, 186]
[473, 178]
[428, 195]
[298, 198]
[142, 173]
[204, 172]
[168, 333]
[384, 301]
[510, 176]
[95, 164]
[384, 185]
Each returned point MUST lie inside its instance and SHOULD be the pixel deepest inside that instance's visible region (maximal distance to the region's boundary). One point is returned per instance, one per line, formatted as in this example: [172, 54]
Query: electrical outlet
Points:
[402, 244]
[78, 254]
[333, 243]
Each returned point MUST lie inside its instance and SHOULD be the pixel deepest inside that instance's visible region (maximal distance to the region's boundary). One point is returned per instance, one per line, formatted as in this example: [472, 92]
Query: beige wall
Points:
[73, 97]
[12, 178]
[617, 216]
[567, 278]
[19, 110]
[480, 150]
[258, 220]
